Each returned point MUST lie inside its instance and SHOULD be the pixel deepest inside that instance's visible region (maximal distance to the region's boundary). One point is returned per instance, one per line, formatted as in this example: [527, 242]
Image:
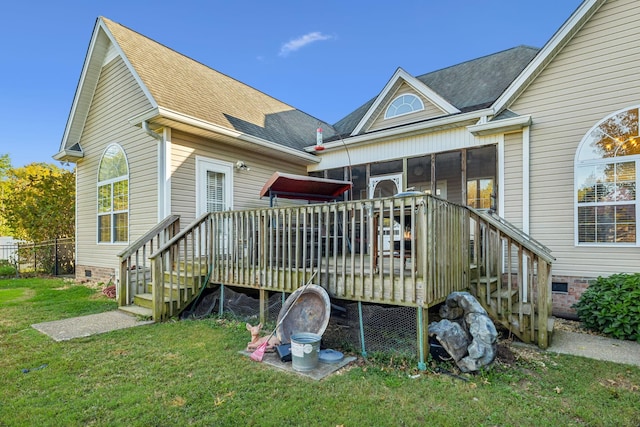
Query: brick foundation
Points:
[88, 273]
[562, 302]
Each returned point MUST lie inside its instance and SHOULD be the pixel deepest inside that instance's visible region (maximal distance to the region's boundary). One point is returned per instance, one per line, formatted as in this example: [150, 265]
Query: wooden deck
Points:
[407, 251]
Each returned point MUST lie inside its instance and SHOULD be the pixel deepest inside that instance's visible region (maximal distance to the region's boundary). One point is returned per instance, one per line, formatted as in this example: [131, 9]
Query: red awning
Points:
[303, 187]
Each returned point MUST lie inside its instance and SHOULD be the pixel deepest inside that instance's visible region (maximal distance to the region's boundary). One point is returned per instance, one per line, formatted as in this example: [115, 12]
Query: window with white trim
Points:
[606, 179]
[113, 196]
[404, 104]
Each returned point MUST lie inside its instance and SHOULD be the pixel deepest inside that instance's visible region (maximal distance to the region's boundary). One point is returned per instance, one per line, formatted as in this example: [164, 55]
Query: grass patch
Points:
[190, 373]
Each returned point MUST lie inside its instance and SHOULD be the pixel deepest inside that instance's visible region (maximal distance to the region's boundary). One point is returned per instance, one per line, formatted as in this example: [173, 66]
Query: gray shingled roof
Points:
[471, 85]
[181, 84]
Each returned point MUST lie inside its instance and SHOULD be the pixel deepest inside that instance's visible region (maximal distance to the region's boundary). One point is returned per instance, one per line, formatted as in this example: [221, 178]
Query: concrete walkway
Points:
[84, 326]
[595, 347]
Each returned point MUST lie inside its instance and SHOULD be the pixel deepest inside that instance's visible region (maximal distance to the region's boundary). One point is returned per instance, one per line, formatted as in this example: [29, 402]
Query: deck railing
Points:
[381, 250]
[410, 251]
[180, 268]
[513, 277]
[135, 267]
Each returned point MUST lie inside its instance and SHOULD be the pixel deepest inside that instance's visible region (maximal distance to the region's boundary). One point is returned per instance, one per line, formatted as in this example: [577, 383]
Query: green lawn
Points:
[190, 373]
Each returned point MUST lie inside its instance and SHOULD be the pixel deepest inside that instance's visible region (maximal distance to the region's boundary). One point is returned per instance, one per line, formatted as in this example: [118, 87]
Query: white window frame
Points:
[204, 165]
[387, 114]
[112, 213]
[604, 161]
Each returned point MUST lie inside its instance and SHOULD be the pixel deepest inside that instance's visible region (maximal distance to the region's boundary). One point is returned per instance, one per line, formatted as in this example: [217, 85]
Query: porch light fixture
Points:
[241, 166]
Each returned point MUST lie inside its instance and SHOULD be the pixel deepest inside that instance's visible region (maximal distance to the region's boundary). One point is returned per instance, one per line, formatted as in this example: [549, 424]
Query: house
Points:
[545, 137]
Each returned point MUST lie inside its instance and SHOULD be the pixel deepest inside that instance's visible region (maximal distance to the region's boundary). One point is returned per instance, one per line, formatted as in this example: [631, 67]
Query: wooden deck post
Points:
[422, 323]
[157, 289]
[264, 300]
[544, 304]
[123, 283]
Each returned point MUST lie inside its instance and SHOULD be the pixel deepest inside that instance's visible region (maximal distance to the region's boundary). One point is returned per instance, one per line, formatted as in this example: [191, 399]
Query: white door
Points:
[214, 183]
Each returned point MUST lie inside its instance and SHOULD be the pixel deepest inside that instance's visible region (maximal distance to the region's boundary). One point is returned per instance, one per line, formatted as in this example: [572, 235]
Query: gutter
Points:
[160, 112]
[68, 155]
[433, 125]
[501, 125]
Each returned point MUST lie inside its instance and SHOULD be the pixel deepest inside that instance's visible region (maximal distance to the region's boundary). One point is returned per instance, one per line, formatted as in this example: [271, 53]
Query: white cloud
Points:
[300, 42]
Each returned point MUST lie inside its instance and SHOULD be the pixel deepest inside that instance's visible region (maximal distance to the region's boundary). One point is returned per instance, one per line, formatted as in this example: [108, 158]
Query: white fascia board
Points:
[429, 93]
[202, 124]
[88, 81]
[89, 59]
[137, 78]
[559, 39]
[405, 130]
[411, 81]
[68, 155]
[502, 125]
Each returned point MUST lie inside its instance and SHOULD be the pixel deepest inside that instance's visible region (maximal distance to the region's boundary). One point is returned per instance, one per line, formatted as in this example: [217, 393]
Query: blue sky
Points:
[325, 58]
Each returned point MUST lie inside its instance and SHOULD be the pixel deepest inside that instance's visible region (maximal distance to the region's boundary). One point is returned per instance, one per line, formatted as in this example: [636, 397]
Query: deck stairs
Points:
[181, 287]
[508, 300]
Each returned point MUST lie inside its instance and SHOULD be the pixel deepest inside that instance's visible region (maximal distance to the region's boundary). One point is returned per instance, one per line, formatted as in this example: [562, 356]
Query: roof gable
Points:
[469, 86]
[388, 94]
[175, 83]
[181, 84]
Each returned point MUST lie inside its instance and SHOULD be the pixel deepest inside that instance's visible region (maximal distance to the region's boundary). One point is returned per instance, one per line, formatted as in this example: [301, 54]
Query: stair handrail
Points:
[160, 264]
[159, 227]
[513, 232]
[180, 235]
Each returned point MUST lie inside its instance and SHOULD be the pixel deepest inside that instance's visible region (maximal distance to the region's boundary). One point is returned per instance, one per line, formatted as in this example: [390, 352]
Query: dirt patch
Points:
[575, 326]
[620, 382]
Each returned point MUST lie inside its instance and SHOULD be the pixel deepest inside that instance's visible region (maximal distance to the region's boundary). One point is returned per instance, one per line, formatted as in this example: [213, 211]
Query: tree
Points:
[38, 202]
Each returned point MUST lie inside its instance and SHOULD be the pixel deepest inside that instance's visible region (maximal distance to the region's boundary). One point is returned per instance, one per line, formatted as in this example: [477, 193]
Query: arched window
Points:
[113, 196]
[606, 179]
[404, 104]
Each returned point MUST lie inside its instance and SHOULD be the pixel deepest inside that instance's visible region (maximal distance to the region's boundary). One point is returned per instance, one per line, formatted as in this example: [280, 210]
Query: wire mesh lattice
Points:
[239, 305]
[387, 329]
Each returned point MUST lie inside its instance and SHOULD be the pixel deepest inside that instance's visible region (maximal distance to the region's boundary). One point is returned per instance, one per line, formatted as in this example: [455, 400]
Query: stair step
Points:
[504, 293]
[191, 267]
[485, 280]
[183, 277]
[136, 310]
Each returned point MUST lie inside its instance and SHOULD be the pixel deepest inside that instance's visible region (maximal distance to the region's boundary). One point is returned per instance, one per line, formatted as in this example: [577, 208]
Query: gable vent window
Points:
[113, 196]
[404, 104]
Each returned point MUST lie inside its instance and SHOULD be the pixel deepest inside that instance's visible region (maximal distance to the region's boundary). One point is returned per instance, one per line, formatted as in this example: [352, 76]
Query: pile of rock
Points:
[466, 332]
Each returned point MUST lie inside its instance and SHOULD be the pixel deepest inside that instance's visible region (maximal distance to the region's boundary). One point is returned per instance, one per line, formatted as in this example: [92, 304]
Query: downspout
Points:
[147, 129]
[161, 168]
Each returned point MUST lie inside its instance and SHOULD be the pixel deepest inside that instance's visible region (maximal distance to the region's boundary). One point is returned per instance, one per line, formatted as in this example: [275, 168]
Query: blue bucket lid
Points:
[330, 356]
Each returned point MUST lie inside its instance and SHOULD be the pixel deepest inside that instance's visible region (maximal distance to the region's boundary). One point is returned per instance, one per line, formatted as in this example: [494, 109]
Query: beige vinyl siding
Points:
[246, 184]
[117, 98]
[595, 75]
[513, 175]
[415, 145]
[430, 111]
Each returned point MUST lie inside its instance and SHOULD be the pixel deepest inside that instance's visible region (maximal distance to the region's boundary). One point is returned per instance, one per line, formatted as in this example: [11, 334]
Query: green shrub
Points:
[6, 269]
[612, 305]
